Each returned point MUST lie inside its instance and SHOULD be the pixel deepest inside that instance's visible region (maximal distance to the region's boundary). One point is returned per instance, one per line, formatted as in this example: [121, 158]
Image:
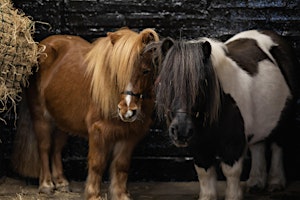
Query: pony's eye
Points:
[169, 115]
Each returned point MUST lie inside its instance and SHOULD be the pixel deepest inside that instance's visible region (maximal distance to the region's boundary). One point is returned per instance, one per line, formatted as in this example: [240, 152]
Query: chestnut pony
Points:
[77, 90]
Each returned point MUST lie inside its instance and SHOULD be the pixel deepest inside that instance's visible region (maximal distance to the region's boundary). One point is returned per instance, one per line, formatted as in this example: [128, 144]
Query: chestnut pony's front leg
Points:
[97, 159]
[120, 167]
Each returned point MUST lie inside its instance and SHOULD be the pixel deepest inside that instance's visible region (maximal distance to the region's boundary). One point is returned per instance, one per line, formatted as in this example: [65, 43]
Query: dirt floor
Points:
[14, 189]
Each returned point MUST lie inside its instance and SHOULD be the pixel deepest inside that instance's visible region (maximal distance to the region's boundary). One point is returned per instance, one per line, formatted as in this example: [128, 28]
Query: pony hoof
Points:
[63, 188]
[46, 190]
[95, 198]
[122, 197]
[275, 187]
[255, 186]
[255, 189]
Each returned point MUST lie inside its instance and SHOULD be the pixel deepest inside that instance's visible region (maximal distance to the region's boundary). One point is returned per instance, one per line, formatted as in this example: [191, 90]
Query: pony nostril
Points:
[185, 135]
[130, 114]
[190, 133]
[173, 131]
[120, 109]
[133, 113]
[120, 105]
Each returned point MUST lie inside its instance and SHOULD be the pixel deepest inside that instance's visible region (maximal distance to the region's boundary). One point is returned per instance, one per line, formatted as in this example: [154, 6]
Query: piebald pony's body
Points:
[221, 98]
[246, 89]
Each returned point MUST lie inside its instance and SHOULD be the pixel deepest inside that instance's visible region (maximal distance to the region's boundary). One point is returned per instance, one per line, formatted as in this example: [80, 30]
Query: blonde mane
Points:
[110, 63]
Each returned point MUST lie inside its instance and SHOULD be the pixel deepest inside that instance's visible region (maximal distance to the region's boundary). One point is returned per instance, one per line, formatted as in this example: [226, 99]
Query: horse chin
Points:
[180, 144]
[128, 120]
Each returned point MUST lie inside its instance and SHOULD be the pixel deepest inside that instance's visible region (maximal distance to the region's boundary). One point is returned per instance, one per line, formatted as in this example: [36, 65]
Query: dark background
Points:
[156, 159]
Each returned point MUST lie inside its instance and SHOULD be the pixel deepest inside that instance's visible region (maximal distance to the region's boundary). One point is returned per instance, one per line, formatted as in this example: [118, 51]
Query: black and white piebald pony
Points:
[221, 98]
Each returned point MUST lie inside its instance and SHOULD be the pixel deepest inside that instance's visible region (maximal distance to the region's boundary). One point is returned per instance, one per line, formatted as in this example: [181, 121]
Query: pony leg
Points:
[232, 174]
[120, 167]
[208, 183]
[276, 178]
[43, 133]
[97, 158]
[59, 140]
[258, 172]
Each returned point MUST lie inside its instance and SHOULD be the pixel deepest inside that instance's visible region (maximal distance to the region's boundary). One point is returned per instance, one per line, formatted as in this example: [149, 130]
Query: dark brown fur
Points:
[246, 53]
[143, 86]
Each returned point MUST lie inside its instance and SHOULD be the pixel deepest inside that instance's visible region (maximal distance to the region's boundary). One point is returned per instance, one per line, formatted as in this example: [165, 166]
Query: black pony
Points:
[221, 98]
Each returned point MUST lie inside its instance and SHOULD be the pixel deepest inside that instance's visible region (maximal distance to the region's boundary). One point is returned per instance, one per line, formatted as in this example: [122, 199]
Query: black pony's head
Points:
[187, 89]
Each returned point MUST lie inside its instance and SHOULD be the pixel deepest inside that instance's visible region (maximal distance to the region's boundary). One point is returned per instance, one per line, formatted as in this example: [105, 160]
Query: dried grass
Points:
[20, 196]
[18, 55]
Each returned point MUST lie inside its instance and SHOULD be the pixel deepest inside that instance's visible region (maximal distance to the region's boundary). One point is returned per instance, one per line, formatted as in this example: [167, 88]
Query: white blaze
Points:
[128, 97]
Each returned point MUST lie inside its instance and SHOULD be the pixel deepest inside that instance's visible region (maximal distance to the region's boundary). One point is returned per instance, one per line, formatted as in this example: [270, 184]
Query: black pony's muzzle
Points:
[181, 130]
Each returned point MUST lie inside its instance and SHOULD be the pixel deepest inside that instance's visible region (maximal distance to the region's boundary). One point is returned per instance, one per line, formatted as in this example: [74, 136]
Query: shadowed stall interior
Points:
[156, 158]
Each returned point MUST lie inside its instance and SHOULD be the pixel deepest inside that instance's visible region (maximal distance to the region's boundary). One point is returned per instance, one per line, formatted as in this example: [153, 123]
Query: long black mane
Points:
[187, 80]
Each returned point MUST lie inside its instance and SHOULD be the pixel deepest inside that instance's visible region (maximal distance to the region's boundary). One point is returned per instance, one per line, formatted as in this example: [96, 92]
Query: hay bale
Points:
[18, 54]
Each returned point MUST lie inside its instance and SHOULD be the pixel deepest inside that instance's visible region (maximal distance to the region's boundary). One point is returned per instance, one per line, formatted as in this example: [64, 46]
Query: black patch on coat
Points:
[286, 59]
[246, 53]
[224, 139]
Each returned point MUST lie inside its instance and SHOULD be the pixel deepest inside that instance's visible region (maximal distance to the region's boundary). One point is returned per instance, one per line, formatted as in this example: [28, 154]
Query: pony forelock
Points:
[185, 81]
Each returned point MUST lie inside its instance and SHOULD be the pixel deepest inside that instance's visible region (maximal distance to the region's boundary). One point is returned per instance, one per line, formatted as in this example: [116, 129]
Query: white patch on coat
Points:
[258, 172]
[208, 183]
[128, 97]
[128, 116]
[232, 174]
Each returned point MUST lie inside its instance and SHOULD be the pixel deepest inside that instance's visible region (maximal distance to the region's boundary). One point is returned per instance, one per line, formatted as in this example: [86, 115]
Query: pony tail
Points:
[25, 159]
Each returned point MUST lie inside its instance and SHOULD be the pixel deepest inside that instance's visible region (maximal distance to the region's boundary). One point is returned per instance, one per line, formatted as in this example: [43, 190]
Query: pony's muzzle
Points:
[127, 114]
[180, 134]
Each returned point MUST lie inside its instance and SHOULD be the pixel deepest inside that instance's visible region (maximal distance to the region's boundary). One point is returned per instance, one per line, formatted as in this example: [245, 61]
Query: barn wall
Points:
[176, 18]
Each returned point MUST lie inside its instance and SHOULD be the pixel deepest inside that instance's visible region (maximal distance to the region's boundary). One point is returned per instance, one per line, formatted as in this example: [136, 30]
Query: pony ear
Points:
[166, 45]
[114, 37]
[148, 35]
[206, 48]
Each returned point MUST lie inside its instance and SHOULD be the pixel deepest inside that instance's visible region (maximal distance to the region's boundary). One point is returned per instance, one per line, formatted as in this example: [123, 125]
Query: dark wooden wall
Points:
[175, 18]
[155, 158]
